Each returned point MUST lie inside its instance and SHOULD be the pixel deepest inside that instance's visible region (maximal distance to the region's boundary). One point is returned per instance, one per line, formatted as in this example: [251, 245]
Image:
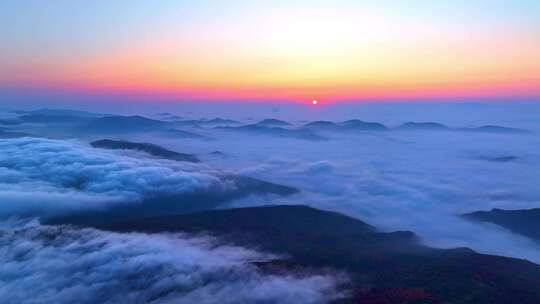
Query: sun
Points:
[314, 102]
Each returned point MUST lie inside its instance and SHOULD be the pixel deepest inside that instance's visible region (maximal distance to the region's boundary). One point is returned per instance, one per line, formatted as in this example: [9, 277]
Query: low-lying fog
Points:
[417, 180]
[413, 180]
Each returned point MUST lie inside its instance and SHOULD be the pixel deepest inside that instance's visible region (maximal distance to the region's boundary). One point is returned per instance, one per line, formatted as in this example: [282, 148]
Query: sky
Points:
[292, 51]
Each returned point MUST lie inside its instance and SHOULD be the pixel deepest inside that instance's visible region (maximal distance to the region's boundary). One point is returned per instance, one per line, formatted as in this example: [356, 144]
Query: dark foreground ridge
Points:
[383, 267]
[151, 149]
[525, 222]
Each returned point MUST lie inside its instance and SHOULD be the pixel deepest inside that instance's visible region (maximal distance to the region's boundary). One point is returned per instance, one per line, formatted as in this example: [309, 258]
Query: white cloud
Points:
[416, 181]
[50, 176]
[42, 264]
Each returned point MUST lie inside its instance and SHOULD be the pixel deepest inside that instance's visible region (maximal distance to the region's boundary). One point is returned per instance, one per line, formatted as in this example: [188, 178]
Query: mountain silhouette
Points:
[144, 147]
[525, 222]
[380, 265]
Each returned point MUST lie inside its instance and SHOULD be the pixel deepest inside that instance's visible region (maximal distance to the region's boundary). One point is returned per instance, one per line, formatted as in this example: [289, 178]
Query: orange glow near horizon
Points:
[294, 53]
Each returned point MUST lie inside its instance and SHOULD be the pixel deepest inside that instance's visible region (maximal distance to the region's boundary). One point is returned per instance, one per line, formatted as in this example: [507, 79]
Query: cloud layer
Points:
[41, 264]
[50, 176]
[62, 264]
[418, 181]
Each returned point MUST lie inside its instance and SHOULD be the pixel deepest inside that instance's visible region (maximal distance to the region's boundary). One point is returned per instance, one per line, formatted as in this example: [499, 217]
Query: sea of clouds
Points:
[62, 264]
[399, 180]
[52, 175]
[49, 177]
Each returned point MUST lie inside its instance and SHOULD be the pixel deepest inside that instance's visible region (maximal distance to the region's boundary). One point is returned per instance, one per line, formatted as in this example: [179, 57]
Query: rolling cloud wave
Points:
[60, 264]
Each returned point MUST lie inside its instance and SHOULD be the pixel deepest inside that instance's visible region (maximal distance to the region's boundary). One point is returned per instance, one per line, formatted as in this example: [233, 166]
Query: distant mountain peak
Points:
[273, 122]
[497, 129]
[124, 124]
[363, 125]
[321, 124]
[422, 126]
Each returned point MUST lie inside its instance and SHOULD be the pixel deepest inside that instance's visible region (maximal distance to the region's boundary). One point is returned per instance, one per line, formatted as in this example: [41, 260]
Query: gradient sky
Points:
[282, 50]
